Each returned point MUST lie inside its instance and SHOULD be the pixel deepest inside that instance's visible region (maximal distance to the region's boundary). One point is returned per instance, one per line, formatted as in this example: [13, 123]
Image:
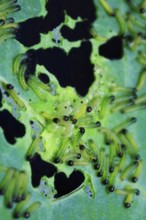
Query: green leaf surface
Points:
[123, 72]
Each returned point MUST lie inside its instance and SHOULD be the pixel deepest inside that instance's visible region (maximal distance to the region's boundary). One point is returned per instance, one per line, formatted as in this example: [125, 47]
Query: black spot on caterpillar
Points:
[65, 185]
[40, 168]
[55, 16]
[112, 49]
[12, 128]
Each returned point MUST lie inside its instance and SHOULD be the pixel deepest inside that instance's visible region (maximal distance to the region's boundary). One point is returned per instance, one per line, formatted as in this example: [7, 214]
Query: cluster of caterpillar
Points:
[29, 80]
[78, 118]
[14, 187]
[109, 160]
[7, 25]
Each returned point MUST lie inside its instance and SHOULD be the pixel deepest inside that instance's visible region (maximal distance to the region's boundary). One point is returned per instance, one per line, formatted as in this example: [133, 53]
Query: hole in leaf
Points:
[72, 69]
[65, 185]
[84, 9]
[44, 78]
[81, 31]
[40, 168]
[12, 128]
[112, 49]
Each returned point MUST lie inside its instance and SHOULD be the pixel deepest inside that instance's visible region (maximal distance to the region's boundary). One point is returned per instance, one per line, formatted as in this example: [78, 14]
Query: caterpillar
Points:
[107, 7]
[121, 21]
[10, 90]
[141, 80]
[129, 193]
[141, 59]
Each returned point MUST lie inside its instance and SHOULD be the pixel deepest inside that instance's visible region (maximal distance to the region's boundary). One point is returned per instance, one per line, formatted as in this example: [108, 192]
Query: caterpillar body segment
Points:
[135, 108]
[106, 101]
[137, 172]
[141, 58]
[33, 207]
[110, 136]
[7, 7]
[15, 96]
[19, 208]
[6, 34]
[8, 197]
[80, 112]
[128, 200]
[38, 87]
[123, 99]
[124, 124]
[23, 187]
[94, 148]
[71, 156]
[85, 153]
[128, 169]
[21, 77]
[84, 120]
[121, 89]
[120, 107]
[129, 193]
[16, 189]
[7, 25]
[40, 84]
[141, 80]
[136, 42]
[7, 3]
[135, 22]
[88, 182]
[122, 162]
[62, 149]
[18, 62]
[121, 192]
[33, 148]
[132, 142]
[77, 163]
[127, 145]
[94, 102]
[4, 182]
[112, 179]
[112, 155]
[101, 162]
[107, 7]
[20, 69]
[105, 175]
[121, 21]
[141, 99]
